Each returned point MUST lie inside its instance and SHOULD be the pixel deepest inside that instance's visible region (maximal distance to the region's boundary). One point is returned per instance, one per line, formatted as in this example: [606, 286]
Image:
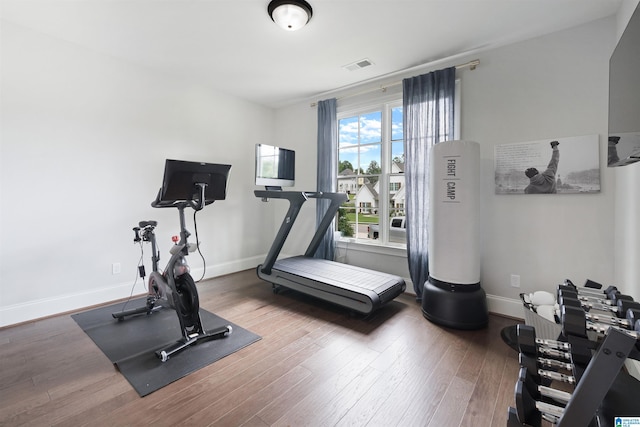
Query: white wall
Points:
[546, 88]
[84, 139]
[296, 129]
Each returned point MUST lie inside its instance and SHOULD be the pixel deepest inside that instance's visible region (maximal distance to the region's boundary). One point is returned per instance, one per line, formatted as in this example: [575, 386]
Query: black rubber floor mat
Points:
[131, 344]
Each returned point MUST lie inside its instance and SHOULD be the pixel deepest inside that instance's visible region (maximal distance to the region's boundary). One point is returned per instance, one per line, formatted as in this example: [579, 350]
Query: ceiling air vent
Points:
[358, 65]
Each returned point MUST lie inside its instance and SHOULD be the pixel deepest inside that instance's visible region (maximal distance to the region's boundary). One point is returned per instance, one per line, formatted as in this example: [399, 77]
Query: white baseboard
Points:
[43, 307]
[505, 306]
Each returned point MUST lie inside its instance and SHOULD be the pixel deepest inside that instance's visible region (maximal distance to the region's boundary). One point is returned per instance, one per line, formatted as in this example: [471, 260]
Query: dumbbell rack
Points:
[593, 382]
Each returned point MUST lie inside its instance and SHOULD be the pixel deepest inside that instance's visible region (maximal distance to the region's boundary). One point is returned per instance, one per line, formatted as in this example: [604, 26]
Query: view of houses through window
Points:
[371, 172]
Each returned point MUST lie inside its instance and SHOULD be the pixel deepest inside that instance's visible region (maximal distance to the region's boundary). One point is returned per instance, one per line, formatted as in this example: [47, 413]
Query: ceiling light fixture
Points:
[290, 15]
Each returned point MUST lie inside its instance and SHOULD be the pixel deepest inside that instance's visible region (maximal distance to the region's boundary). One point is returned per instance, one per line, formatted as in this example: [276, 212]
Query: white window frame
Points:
[385, 106]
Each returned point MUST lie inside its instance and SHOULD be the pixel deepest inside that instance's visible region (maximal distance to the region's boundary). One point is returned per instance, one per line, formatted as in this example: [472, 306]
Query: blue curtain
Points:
[428, 102]
[327, 171]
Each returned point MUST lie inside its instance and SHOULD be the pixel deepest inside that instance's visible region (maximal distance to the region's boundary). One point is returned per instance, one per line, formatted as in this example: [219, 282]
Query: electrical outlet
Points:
[115, 268]
[515, 281]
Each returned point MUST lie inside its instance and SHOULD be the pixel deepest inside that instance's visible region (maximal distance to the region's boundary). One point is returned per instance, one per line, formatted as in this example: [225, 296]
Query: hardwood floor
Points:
[315, 365]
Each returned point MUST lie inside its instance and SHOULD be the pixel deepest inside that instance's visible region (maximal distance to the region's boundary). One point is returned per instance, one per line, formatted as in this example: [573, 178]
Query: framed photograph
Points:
[554, 166]
[623, 149]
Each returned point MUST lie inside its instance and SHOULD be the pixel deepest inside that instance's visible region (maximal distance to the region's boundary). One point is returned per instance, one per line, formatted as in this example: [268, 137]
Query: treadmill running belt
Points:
[337, 274]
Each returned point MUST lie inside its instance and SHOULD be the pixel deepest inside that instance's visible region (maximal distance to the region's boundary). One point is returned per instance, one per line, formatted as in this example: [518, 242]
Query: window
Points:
[370, 166]
[371, 172]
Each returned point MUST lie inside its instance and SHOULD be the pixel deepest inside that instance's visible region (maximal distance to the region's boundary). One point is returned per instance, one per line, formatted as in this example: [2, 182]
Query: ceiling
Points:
[234, 47]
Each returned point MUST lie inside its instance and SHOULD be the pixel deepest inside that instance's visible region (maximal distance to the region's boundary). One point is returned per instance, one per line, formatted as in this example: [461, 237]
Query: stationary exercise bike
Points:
[186, 185]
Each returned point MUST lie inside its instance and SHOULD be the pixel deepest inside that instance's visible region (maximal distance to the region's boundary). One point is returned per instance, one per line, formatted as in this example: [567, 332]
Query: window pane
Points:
[397, 157]
[366, 202]
[348, 161]
[396, 124]
[347, 184]
[345, 224]
[348, 132]
[355, 219]
[371, 127]
[397, 229]
[371, 158]
[396, 191]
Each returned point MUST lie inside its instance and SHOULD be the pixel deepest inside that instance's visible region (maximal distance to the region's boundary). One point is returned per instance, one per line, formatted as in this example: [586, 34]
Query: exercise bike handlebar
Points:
[144, 224]
[196, 204]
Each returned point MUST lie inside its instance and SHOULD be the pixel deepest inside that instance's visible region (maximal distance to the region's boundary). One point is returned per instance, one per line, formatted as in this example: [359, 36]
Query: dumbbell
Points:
[576, 321]
[531, 411]
[529, 345]
[588, 291]
[539, 391]
[564, 352]
[568, 299]
[590, 288]
[535, 365]
[592, 293]
[626, 311]
[611, 298]
[620, 309]
[629, 322]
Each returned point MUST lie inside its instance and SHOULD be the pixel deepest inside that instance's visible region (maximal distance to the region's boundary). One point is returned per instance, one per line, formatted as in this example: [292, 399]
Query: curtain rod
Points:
[471, 64]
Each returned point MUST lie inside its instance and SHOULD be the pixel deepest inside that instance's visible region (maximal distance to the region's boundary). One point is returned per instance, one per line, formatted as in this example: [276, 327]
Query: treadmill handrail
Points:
[296, 200]
[336, 199]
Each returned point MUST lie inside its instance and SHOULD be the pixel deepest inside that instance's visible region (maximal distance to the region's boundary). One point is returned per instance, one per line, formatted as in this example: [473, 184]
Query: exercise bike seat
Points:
[143, 224]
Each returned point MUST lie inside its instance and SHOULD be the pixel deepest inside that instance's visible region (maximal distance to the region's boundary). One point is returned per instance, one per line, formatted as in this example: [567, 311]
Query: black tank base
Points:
[455, 306]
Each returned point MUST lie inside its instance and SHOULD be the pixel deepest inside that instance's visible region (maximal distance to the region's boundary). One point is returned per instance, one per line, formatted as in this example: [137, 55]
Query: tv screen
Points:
[624, 97]
[275, 166]
[181, 177]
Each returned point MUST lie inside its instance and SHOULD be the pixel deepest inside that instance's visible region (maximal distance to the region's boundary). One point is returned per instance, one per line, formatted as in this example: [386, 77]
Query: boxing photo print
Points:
[554, 166]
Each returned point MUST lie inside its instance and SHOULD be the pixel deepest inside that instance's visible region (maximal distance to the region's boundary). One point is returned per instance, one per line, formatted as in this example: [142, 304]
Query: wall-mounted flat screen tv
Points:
[275, 166]
[624, 97]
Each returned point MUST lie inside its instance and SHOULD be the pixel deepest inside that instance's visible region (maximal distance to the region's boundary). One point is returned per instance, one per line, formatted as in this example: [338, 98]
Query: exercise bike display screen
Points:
[181, 179]
[275, 166]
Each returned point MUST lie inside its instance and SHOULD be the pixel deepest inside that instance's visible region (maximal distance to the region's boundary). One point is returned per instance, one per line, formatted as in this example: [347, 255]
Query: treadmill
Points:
[359, 289]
